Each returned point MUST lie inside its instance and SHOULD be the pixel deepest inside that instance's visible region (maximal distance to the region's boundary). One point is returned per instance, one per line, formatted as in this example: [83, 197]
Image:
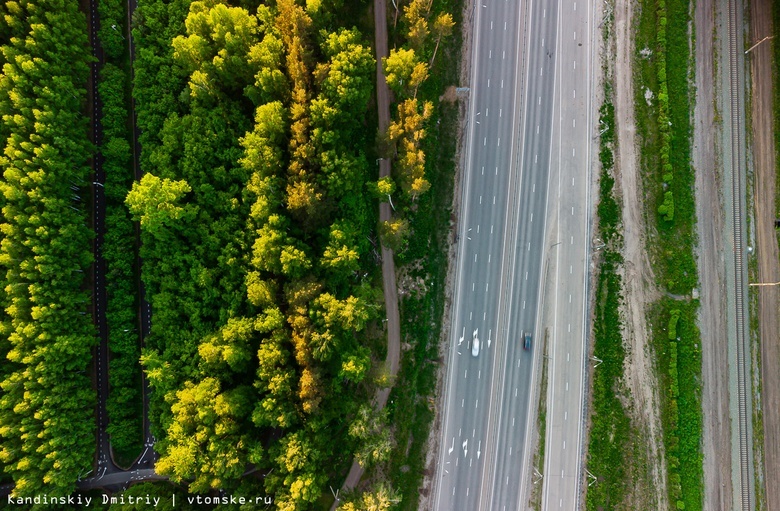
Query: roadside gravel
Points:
[710, 210]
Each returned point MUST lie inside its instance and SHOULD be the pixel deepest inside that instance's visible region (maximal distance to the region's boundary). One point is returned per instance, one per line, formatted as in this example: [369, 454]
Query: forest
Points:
[46, 332]
[259, 238]
[257, 231]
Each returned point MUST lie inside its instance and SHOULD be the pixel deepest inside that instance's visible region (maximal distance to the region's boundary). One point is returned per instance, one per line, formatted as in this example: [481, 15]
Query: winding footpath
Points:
[388, 263]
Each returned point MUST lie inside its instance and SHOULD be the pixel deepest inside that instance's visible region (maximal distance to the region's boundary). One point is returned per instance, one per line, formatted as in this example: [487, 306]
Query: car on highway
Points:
[527, 341]
[475, 344]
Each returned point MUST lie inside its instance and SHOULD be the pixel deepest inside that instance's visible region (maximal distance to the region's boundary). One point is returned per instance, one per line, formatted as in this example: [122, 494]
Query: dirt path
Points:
[388, 264]
[767, 250]
[710, 209]
[638, 277]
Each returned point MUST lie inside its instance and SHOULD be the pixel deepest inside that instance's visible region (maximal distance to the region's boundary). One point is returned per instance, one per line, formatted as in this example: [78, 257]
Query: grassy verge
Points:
[611, 432]
[536, 492]
[124, 404]
[425, 256]
[664, 129]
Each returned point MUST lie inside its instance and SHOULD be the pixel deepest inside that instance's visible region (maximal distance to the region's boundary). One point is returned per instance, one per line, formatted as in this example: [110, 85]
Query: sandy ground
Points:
[638, 276]
[710, 212]
[767, 250]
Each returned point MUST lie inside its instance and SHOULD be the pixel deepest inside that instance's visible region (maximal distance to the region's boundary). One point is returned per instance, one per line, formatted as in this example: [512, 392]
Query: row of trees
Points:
[47, 403]
[256, 229]
[405, 70]
[124, 398]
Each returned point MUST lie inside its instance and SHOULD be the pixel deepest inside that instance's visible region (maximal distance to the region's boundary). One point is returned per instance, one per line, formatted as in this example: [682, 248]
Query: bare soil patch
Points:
[764, 153]
[650, 490]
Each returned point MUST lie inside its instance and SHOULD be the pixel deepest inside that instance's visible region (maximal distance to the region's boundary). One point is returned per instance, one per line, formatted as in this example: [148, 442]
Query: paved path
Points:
[388, 264]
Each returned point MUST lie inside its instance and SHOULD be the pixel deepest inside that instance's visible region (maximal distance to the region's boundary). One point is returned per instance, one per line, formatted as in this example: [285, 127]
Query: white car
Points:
[475, 344]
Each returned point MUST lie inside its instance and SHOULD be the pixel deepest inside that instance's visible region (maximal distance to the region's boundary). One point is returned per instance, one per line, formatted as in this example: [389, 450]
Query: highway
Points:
[502, 245]
[523, 255]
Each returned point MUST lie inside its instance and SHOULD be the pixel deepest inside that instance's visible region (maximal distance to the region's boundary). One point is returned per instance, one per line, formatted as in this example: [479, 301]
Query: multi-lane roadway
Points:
[525, 159]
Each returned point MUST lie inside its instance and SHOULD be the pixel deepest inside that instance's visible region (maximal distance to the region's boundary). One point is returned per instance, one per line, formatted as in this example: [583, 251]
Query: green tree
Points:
[155, 203]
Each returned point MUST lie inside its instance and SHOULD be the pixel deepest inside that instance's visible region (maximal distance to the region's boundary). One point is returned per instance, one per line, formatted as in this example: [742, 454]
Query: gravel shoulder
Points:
[710, 211]
[638, 278]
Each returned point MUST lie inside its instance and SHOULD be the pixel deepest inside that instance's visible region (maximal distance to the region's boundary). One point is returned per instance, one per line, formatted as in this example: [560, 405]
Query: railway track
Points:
[744, 423]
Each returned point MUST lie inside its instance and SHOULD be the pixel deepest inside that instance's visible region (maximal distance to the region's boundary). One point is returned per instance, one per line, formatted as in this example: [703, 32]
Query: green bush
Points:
[667, 208]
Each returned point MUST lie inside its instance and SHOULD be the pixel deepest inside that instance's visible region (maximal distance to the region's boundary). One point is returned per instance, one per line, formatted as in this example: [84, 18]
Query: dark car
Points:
[527, 341]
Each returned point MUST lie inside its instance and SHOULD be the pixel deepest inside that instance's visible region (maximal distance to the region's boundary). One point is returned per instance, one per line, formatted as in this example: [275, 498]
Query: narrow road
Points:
[105, 463]
[148, 456]
[388, 264]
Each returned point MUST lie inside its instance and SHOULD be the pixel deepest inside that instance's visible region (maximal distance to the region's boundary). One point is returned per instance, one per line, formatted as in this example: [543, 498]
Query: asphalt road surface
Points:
[502, 246]
[568, 260]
